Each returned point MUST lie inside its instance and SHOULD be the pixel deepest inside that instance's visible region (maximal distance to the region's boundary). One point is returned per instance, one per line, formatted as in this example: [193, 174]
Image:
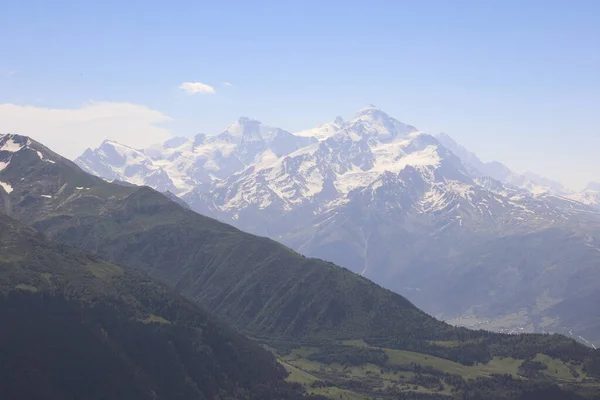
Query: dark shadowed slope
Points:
[77, 327]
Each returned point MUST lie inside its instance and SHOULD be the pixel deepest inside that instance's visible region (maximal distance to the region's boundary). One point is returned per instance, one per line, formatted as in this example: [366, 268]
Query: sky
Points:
[513, 81]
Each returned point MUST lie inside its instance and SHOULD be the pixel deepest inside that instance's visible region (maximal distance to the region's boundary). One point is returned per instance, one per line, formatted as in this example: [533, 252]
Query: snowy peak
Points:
[538, 180]
[530, 181]
[122, 154]
[589, 196]
[12, 145]
[371, 122]
[176, 142]
[368, 123]
[181, 165]
[593, 186]
[329, 171]
[114, 161]
[248, 130]
[323, 131]
[245, 129]
[370, 112]
[250, 165]
[116, 156]
[29, 170]
[252, 139]
[9, 145]
[367, 108]
[466, 156]
[36, 178]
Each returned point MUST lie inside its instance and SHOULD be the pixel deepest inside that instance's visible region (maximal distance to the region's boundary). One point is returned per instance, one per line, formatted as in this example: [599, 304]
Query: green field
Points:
[397, 374]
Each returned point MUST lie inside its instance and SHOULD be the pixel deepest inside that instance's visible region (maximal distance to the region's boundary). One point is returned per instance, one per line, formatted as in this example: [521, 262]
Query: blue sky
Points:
[514, 81]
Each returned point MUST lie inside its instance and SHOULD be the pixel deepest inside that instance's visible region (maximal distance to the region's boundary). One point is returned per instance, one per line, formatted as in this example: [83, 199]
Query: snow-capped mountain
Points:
[114, 161]
[590, 195]
[359, 151]
[353, 156]
[400, 206]
[181, 165]
[529, 180]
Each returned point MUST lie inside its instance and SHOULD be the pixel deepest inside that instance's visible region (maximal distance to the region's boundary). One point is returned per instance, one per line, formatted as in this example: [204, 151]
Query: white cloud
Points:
[69, 131]
[228, 84]
[196, 87]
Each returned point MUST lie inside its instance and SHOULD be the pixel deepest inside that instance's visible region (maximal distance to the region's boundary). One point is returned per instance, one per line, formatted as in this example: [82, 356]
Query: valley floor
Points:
[406, 373]
[513, 324]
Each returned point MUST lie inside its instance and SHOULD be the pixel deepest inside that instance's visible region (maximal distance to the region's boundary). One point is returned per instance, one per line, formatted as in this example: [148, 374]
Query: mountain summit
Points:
[375, 122]
[247, 130]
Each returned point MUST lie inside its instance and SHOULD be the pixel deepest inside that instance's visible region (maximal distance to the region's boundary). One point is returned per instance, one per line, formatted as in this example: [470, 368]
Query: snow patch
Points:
[321, 132]
[7, 187]
[41, 156]
[11, 146]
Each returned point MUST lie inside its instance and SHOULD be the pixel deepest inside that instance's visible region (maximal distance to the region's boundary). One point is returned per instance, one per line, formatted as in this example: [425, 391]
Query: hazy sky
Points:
[514, 81]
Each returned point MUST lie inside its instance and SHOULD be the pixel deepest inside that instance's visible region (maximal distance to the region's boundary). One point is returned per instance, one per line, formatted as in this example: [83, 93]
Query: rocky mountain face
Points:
[409, 210]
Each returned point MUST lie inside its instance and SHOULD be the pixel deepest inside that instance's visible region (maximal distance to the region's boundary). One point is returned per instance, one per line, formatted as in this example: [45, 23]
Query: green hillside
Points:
[76, 327]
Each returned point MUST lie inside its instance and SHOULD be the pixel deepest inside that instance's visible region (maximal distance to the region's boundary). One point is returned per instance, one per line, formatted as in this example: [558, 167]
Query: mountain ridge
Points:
[181, 164]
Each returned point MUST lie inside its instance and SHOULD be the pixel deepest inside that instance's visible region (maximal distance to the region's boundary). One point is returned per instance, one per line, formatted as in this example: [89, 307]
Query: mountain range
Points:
[468, 241]
[111, 258]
